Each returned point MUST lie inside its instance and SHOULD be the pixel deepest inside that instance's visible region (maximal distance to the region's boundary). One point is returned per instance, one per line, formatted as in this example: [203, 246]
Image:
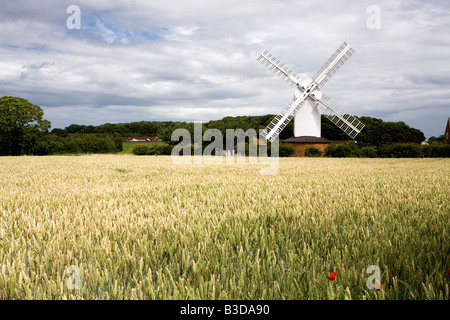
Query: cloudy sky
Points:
[195, 60]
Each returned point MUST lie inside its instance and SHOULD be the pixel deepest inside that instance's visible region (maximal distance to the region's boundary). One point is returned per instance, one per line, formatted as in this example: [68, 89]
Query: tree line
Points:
[345, 150]
[23, 130]
[389, 150]
[376, 131]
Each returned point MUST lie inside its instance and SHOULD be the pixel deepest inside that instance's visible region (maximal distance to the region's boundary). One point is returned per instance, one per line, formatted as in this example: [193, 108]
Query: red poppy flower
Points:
[379, 287]
[391, 276]
[448, 270]
[332, 276]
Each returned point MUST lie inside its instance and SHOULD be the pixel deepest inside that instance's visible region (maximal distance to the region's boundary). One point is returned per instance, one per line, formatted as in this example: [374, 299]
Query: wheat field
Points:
[145, 228]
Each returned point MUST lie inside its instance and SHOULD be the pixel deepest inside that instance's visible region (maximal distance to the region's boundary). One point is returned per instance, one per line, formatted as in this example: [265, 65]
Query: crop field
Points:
[129, 227]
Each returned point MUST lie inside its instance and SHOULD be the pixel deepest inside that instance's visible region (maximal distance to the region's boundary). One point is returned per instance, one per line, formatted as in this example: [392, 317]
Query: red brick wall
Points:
[301, 147]
[447, 132]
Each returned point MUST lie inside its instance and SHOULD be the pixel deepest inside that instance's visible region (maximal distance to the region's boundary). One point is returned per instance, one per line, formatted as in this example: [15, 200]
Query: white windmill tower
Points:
[308, 102]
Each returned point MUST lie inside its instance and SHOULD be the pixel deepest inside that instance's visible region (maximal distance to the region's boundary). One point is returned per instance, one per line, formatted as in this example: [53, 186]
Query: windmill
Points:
[308, 102]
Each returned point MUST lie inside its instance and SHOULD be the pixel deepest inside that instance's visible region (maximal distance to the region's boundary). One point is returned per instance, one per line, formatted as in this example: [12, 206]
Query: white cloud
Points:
[196, 60]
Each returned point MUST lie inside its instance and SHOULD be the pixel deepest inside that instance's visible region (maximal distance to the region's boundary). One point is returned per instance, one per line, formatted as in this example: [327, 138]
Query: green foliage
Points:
[163, 149]
[91, 143]
[396, 137]
[330, 150]
[252, 149]
[347, 150]
[59, 132]
[165, 134]
[20, 121]
[405, 150]
[141, 150]
[436, 150]
[45, 144]
[286, 150]
[397, 150]
[154, 150]
[24, 131]
[434, 139]
[313, 152]
[117, 141]
[374, 128]
[368, 152]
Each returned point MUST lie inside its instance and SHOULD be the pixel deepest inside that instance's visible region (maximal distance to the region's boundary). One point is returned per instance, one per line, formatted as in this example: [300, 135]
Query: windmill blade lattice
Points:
[310, 99]
[333, 64]
[344, 121]
[279, 68]
[274, 128]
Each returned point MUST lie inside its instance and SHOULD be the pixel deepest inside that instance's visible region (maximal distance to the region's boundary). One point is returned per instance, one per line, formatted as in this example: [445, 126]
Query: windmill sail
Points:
[273, 129]
[310, 92]
[278, 68]
[333, 64]
[346, 122]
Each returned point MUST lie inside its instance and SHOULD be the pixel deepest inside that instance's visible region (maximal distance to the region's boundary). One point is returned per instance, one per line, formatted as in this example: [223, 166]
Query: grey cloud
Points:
[193, 60]
[28, 69]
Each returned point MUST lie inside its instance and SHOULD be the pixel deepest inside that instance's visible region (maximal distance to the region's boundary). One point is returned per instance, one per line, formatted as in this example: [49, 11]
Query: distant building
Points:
[447, 133]
[141, 139]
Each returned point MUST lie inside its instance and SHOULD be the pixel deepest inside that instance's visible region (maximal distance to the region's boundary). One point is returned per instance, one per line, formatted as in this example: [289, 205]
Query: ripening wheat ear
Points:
[163, 231]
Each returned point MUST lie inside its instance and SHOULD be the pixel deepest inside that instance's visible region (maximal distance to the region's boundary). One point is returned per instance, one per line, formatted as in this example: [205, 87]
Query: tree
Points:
[434, 139]
[349, 149]
[313, 152]
[165, 134]
[286, 150]
[19, 120]
[396, 137]
[60, 132]
[372, 131]
[74, 128]
[368, 152]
